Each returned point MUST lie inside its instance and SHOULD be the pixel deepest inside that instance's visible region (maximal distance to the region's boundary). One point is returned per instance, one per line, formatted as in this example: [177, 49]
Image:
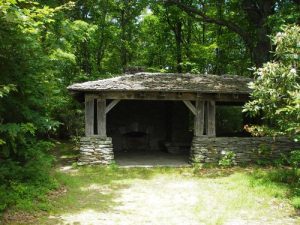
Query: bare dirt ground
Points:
[157, 201]
[174, 196]
[179, 200]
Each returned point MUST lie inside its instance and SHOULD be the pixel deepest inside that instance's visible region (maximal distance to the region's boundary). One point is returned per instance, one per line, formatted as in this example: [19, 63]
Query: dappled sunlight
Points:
[102, 189]
[68, 169]
[176, 197]
[68, 156]
[85, 217]
[220, 203]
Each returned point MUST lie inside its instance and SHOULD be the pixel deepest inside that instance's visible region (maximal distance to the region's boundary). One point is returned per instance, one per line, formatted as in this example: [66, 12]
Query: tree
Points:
[276, 89]
[29, 62]
[249, 19]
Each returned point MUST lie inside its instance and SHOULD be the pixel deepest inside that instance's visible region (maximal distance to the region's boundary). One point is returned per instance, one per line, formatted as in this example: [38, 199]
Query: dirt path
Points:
[163, 196]
[180, 200]
[157, 201]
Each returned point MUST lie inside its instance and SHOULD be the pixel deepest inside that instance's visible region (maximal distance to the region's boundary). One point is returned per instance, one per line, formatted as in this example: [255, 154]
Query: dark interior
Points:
[149, 126]
[144, 125]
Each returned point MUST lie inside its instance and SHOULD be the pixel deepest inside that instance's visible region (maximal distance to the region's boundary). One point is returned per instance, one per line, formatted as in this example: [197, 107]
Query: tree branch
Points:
[198, 14]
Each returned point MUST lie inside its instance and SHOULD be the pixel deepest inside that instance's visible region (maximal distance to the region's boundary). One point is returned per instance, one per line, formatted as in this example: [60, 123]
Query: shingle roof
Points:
[167, 82]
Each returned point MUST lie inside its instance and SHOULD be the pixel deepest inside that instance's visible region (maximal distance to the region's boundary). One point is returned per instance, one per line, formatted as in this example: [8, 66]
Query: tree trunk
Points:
[178, 37]
[255, 34]
[123, 52]
[262, 48]
[257, 13]
[188, 42]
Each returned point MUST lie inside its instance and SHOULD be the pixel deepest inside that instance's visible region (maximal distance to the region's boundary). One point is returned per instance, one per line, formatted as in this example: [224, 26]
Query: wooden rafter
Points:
[190, 105]
[111, 105]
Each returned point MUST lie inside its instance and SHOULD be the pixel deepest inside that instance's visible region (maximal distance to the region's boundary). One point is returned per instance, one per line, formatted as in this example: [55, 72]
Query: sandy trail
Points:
[167, 200]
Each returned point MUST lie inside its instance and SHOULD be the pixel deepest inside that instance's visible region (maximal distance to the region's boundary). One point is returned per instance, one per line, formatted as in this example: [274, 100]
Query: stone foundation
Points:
[95, 150]
[247, 149]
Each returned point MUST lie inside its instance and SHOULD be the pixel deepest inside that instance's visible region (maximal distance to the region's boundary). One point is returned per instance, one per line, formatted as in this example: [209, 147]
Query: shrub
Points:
[228, 159]
[294, 159]
[196, 167]
[263, 152]
[22, 183]
[276, 88]
[296, 202]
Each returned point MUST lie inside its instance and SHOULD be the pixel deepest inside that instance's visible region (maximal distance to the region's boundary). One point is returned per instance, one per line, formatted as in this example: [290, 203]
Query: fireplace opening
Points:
[135, 141]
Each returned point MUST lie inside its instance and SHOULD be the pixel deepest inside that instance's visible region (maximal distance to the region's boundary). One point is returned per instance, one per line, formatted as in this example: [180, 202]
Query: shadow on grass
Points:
[84, 188]
[98, 188]
[65, 153]
[95, 188]
[281, 177]
[214, 171]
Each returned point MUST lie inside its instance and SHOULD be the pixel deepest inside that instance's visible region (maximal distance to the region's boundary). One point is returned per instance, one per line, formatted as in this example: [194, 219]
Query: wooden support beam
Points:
[111, 105]
[199, 119]
[177, 96]
[205, 117]
[101, 117]
[211, 118]
[89, 115]
[190, 105]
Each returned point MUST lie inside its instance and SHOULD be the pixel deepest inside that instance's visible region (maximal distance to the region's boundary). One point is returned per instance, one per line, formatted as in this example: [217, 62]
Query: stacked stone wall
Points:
[247, 149]
[96, 150]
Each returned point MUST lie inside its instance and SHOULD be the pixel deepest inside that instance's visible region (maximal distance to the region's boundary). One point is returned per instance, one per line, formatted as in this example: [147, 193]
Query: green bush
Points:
[294, 159]
[296, 202]
[228, 159]
[263, 152]
[275, 95]
[24, 182]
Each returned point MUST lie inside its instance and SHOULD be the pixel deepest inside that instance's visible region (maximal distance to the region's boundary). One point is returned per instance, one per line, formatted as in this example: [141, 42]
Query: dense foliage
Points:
[276, 96]
[46, 45]
[276, 90]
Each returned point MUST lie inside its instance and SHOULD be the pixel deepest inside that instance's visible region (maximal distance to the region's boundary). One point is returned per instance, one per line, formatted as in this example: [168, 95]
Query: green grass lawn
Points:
[112, 195]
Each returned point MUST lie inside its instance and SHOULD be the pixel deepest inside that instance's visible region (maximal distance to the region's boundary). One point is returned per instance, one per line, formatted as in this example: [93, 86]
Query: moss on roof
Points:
[167, 82]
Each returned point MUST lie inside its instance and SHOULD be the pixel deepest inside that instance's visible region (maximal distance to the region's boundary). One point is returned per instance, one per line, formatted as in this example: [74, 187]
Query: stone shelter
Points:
[175, 113]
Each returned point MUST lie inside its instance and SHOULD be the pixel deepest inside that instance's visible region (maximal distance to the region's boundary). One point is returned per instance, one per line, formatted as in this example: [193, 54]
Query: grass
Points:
[166, 196]
[240, 196]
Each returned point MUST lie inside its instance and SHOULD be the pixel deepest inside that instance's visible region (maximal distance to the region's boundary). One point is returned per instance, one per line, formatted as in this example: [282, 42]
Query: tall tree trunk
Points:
[188, 42]
[123, 53]
[219, 65]
[255, 34]
[257, 13]
[178, 37]
[261, 50]
[203, 25]
[86, 65]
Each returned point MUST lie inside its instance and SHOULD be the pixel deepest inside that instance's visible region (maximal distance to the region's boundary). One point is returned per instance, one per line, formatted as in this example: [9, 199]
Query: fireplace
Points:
[135, 137]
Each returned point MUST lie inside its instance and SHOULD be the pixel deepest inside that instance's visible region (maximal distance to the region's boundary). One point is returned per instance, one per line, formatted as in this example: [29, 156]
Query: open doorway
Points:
[150, 132]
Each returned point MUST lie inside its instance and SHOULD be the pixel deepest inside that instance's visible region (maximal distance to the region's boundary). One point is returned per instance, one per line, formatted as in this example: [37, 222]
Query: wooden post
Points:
[211, 118]
[101, 117]
[206, 117]
[89, 115]
[199, 119]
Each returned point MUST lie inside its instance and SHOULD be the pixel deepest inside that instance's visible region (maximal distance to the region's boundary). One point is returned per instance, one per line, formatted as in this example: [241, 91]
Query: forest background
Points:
[47, 45]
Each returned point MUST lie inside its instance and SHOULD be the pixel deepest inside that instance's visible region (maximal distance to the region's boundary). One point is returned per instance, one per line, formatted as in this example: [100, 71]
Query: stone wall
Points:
[247, 149]
[95, 150]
